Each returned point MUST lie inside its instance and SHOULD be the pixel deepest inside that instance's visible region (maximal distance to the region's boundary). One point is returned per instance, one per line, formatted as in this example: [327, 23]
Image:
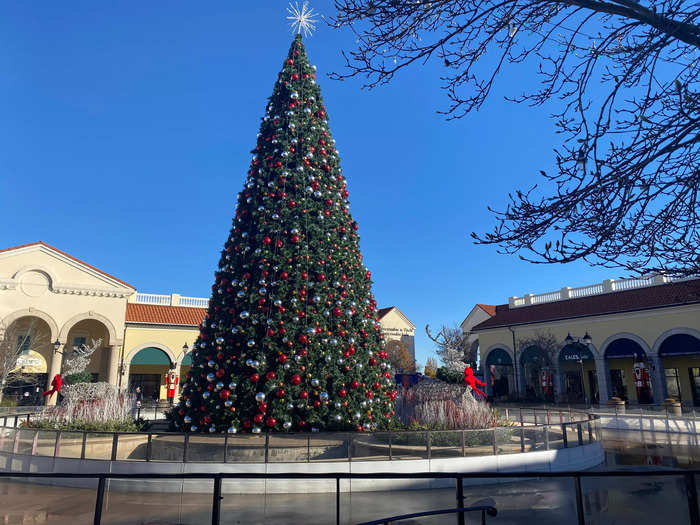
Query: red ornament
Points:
[304, 394]
[280, 393]
[224, 394]
[294, 238]
[258, 418]
[355, 384]
[282, 358]
[295, 379]
[270, 422]
[342, 392]
[255, 377]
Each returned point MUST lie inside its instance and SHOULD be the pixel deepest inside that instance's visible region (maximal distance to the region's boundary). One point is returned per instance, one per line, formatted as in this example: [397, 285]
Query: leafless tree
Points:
[547, 343]
[399, 356]
[623, 77]
[16, 341]
[453, 347]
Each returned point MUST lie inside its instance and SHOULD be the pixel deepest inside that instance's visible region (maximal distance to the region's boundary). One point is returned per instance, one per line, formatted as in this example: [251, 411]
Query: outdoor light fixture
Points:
[56, 346]
[185, 348]
[569, 339]
[587, 339]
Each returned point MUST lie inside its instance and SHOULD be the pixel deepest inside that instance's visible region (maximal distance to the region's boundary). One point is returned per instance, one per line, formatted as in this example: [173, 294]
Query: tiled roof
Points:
[170, 315]
[663, 295]
[381, 312]
[41, 243]
[488, 308]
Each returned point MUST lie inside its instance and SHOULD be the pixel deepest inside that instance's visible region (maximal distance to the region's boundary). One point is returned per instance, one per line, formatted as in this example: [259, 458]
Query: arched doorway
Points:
[628, 367]
[28, 341]
[185, 366]
[680, 355]
[84, 332]
[147, 369]
[500, 373]
[534, 361]
[577, 367]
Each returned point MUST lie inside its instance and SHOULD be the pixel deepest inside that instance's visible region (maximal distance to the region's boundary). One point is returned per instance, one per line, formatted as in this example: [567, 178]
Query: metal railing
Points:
[687, 477]
[549, 431]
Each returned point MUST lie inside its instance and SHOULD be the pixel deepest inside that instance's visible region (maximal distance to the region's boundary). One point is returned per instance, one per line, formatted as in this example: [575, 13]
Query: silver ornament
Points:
[232, 430]
[187, 420]
[205, 395]
[260, 397]
[219, 385]
[219, 340]
[232, 385]
[287, 425]
[251, 342]
[245, 314]
[256, 430]
[211, 377]
[315, 382]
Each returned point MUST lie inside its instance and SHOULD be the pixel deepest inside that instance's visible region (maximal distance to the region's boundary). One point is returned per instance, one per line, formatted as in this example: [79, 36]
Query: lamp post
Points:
[585, 341]
[56, 346]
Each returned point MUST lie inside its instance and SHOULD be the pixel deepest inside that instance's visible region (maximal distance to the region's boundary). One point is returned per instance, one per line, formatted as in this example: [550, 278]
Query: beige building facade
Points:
[636, 339]
[64, 302]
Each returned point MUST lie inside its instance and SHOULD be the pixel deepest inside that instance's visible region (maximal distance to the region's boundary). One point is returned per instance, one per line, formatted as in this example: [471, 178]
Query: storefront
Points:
[680, 355]
[537, 374]
[578, 374]
[147, 370]
[500, 374]
[628, 371]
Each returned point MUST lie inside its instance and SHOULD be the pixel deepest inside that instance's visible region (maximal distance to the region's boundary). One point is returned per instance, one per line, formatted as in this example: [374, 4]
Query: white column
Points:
[658, 380]
[601, 369]
[54, 368]
[113, 364]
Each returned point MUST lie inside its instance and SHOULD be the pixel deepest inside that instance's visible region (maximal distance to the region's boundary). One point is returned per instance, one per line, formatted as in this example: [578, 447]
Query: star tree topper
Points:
[302, 18]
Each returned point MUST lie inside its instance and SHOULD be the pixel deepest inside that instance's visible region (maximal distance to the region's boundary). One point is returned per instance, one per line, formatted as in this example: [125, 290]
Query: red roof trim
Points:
[639, 299]
[42, 243]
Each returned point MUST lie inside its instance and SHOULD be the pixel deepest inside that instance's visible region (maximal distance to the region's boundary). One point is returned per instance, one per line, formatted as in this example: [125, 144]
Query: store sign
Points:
[575, 353]
[28, 361]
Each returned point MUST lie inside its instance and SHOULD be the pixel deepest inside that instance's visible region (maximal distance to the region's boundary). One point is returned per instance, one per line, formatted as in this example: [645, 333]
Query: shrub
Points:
[449, 376]
[78, 377]
[90, 426]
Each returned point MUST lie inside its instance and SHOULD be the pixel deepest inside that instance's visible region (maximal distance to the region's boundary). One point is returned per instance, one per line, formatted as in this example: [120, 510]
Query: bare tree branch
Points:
[625, 78]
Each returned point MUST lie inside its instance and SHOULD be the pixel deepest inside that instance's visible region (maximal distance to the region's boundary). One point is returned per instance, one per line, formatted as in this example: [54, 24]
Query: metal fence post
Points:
[350, 448]
[692, 495]
[82, 447]
[429, 451]
[216, 503]
[590, 430]
[308, 448]
[564, 436]
[495, 445]
[579, 501]
[226, 448]
[149, 447]
[460, 500]
[521, 417]
[549, 417]
[580, 434]
[34, 442]
[186, 446]
[57, 445]
[337, 500]
[522, 439]
[115, 444]
[463, 449]
[99, 500]
[546, 437]
[390, 451]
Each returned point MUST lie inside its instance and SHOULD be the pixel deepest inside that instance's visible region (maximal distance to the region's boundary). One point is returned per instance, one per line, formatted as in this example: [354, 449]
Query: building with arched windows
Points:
[54, 301]
[635, 339]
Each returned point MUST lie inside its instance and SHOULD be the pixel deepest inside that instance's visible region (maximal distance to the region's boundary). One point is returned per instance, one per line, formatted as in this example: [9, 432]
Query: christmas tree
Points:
[291, 340]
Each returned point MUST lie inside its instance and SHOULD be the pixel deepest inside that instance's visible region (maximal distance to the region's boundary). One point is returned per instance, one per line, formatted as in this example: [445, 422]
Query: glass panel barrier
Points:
[287, 448]
[245, 448]
[31, 501]
[478, 442]
[407, 445]
[533, 439]
[46, 442]
[71, 445]
[98, 445]
[330, 447]
[7, 439]
[445, 444]
[204, 448]
[169, 447]
[132, 447]
[508, 440]
[373, 446]
[25, 443]
[639, 500]
[158, 501]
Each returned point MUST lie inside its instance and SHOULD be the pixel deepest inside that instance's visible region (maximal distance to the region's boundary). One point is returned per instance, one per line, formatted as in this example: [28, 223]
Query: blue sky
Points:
[127, 130]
